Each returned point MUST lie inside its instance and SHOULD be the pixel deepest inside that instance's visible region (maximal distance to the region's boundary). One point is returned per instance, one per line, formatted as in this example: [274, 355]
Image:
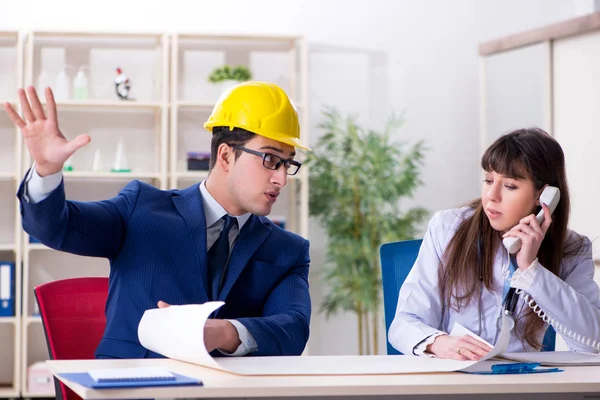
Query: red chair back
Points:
[73, 317]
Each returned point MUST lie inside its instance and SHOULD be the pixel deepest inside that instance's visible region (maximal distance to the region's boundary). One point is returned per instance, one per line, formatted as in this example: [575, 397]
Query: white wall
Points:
[366, 56]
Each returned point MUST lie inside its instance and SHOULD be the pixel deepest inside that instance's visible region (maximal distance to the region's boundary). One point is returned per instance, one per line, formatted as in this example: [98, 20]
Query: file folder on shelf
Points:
[7, 289]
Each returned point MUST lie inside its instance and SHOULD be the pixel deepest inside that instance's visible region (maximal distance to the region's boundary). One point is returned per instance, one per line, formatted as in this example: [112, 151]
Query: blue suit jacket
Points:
[155, 241]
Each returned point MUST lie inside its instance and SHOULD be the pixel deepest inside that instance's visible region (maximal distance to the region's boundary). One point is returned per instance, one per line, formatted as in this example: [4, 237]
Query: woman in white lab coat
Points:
[464, 275]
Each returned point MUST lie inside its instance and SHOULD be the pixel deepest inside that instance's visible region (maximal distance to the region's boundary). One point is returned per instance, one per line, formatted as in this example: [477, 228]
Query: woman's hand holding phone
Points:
[531, 234]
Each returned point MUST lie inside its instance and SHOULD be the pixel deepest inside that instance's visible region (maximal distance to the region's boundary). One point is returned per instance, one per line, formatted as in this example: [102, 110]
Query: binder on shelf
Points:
[7, 289]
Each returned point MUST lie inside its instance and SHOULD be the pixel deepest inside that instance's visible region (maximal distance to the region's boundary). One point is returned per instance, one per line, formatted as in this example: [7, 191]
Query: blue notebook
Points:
[93, 380]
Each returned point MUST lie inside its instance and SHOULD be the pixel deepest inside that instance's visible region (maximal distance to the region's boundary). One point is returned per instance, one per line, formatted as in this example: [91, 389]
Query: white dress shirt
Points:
[213, 212]
[38, 188]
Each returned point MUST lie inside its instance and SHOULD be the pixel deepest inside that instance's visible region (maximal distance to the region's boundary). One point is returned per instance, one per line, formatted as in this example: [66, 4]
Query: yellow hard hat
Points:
[259, 107]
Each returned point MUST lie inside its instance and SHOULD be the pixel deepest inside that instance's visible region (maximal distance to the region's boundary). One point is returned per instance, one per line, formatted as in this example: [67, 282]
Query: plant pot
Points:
[221, 87]
[226, 85]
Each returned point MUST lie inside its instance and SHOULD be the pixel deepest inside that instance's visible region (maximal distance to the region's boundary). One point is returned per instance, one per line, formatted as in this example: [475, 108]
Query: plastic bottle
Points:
[61, 88]
[120, 164]
[97, 161]
[43, 81]
[68, 166]
[80, 85]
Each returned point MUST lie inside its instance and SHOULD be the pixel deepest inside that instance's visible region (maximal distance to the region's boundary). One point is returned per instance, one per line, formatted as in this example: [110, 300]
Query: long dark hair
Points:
[524, 153]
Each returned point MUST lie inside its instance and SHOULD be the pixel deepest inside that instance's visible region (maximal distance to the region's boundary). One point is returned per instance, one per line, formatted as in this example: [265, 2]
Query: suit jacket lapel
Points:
[253, 234]
[190, 206]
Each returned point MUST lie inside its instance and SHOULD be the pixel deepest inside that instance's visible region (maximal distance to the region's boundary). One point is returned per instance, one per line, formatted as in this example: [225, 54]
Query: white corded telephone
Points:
[558, 327]
[550, 196]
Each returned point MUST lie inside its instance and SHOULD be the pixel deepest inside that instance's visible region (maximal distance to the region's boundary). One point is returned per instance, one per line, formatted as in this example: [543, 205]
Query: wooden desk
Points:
[573, 383]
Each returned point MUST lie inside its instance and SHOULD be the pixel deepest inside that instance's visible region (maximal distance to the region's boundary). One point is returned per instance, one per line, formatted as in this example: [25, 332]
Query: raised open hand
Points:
[47, 145]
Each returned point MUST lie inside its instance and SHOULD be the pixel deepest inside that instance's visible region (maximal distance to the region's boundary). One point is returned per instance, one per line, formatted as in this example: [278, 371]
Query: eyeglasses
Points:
[271, 161]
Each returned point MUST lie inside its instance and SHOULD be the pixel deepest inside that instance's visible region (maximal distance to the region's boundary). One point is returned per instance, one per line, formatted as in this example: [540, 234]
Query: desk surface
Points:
[223, 384]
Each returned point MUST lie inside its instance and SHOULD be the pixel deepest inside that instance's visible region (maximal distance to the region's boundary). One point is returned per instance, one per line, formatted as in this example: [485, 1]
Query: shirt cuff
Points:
[39, 188]
[524, 279]
[421, 348]
[248, 344]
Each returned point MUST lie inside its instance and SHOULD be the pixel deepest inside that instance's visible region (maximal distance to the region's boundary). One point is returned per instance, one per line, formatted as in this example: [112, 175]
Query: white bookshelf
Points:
[8, 247]
[8, 320]
[37, 247]
[189, 175]
[193, 104]
[33, 320]
[91, 175]
[108, 104]
[8, 392]
[11, 77]
[142, 124]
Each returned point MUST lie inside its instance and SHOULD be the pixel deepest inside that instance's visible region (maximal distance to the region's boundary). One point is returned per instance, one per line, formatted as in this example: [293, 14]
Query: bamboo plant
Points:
[357, 179]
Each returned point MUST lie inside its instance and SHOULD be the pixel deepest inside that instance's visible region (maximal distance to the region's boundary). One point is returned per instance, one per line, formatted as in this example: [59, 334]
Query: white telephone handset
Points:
[550, 196]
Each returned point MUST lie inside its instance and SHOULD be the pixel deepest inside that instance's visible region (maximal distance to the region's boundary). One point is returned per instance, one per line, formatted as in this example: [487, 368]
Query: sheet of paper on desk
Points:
[501, 344]
[340, 365]
[354, 365]
[177, 332]
[459, 330]
[554, 358]
[546, 358]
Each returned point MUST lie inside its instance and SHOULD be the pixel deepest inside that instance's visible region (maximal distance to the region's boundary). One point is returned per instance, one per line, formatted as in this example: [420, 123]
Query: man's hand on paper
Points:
[218, 334]
[458, 348]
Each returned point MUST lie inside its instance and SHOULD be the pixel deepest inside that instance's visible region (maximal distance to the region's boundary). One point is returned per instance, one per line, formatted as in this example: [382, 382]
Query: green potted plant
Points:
[227, 76]
[357, 179]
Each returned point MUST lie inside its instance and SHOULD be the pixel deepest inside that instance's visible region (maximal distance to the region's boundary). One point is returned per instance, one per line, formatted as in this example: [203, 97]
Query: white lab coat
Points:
[573, 299]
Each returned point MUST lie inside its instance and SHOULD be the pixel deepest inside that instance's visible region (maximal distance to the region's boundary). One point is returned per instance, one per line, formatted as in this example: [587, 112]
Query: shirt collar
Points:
[213, 211]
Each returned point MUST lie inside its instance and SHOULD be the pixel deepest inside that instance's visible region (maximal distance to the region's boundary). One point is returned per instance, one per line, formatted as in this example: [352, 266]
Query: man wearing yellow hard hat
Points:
[208, 242]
